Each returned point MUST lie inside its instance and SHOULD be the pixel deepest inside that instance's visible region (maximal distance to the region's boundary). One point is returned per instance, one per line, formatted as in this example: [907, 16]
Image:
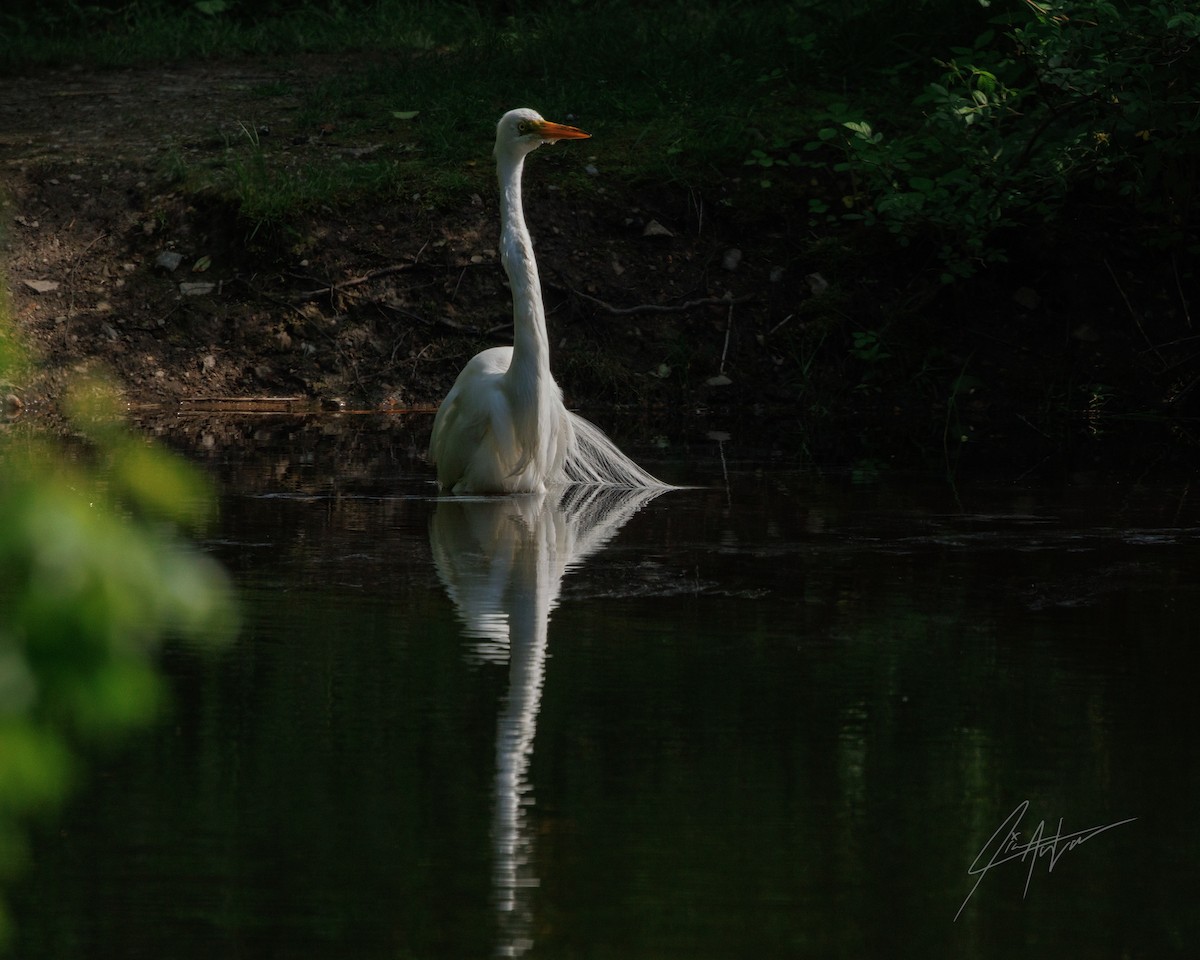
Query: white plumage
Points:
[503, 427]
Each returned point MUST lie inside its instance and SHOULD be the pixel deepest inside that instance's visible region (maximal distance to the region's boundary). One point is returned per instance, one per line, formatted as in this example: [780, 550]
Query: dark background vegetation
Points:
[980, 216]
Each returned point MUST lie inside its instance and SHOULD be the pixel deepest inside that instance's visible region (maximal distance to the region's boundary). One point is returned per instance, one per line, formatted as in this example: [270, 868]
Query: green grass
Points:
[146, 33]
[631, 80]
[673, 92]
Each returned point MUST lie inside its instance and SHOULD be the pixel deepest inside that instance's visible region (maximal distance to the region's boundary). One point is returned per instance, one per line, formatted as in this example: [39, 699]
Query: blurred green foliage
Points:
[95, 572]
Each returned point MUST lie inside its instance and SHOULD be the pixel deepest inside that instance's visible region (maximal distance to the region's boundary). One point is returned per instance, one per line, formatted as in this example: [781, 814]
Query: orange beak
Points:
[548, 130]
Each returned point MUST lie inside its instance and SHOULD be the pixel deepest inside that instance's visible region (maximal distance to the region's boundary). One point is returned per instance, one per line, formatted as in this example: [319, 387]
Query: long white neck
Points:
[531, 349]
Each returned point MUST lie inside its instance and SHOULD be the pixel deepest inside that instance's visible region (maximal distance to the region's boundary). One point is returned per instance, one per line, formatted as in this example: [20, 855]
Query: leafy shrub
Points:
[94, 575]
[1085, 96]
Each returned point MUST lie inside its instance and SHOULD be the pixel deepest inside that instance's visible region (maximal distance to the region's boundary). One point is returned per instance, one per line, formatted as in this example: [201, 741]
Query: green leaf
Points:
[405, 114]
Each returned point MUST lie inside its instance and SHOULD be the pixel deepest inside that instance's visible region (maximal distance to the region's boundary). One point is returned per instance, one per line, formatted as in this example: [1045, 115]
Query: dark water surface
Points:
[779, 715]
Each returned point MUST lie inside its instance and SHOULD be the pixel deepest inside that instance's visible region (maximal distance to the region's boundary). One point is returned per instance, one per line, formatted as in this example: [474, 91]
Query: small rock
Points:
[617, 268]
[732, 258]
[591, 170]
[776, 274]
[168, 260]
[817, 284]
[209, 363]
[720, 380]
[41, 286]
[656, 229]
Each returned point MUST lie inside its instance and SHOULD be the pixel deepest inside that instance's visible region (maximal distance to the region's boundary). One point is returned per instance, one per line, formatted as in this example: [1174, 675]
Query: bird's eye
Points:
[523, 127]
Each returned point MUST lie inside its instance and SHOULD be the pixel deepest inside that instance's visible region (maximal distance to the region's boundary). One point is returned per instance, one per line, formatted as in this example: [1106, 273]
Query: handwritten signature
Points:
[1011, 847]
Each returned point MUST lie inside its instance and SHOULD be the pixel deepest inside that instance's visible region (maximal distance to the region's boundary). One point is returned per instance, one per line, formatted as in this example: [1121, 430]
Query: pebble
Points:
[169, 260]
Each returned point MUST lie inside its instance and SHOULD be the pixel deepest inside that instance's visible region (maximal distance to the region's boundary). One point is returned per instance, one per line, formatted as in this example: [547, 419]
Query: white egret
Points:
[503, 427]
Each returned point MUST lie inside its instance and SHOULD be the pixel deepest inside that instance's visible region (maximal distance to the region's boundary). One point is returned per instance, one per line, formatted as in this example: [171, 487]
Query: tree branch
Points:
[656, 307]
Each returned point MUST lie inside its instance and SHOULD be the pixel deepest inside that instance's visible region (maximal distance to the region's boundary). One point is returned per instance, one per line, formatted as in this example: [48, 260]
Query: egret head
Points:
[522, 130]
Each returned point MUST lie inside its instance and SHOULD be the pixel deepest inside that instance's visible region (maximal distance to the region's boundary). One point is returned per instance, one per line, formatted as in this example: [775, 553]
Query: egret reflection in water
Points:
[502, 561]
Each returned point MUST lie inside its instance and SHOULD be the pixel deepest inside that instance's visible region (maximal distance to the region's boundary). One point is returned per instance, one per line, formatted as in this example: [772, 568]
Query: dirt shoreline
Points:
[109, 263]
